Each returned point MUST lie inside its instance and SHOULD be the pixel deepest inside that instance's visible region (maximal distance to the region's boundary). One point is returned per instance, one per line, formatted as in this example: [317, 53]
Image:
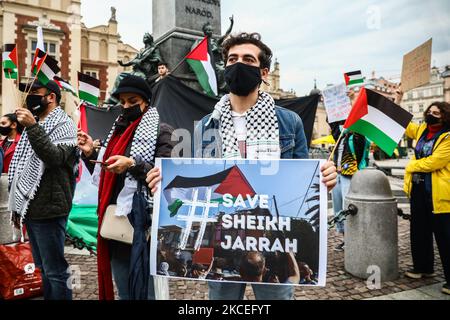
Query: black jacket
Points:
[54, 196]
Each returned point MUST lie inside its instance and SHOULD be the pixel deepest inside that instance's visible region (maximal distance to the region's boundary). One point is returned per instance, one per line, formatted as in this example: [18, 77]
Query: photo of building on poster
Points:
[240, 221]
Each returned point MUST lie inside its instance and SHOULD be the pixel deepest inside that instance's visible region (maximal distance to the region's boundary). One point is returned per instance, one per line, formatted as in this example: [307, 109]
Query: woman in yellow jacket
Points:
[427, 182]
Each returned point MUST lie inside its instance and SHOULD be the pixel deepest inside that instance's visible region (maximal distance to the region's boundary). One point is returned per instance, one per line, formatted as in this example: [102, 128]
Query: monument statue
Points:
[145, 64]
[216, 49]
[113, 14]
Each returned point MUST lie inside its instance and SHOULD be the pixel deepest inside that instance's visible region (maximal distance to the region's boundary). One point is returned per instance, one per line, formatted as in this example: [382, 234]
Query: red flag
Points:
[82, 125]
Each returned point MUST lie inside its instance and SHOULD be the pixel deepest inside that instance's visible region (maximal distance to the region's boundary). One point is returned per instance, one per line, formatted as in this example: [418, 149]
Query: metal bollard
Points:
[371, 236]
[6, 230]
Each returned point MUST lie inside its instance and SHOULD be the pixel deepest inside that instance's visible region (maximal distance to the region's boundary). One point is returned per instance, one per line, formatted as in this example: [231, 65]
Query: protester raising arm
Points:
[294, 270]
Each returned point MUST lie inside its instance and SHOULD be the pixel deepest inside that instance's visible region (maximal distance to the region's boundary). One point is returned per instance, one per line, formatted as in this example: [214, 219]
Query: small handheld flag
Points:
[65, 85]
[88, 89]
[49, 69]
[379, 119]
[39, 58]
[10, 61]
[354, 78]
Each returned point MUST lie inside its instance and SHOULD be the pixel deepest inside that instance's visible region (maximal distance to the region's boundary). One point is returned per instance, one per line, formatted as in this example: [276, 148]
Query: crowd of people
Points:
[42, 149]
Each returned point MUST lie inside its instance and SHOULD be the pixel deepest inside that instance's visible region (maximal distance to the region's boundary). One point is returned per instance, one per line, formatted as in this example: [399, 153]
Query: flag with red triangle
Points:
[202, 64]
[10, 61]
[231, 181]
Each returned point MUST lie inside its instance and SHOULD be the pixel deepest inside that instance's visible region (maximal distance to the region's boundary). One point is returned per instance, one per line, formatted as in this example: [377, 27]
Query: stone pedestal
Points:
[177, 24]
[371, 236]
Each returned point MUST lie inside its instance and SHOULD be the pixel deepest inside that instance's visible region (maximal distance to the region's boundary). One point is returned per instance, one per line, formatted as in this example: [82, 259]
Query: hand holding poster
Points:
[246, 221]
[337, 103]
[416, 67]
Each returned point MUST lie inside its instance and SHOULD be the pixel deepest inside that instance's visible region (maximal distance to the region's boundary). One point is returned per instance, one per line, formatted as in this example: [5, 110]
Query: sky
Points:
[315, 39]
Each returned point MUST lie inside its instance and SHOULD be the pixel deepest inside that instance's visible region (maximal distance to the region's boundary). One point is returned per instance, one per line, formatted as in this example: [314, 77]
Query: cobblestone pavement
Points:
[340, 285]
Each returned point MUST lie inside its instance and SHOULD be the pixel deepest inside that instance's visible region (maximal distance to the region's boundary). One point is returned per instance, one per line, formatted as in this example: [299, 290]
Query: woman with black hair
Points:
[427, 182]
[11, 129]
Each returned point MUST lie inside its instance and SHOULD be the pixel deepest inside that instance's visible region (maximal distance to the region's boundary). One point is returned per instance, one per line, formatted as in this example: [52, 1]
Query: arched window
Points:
[84, 48]
[103, 50]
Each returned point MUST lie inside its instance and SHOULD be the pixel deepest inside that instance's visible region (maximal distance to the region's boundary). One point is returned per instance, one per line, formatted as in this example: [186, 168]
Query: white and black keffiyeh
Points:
[143, 146]
[263, 134]
[26, 170]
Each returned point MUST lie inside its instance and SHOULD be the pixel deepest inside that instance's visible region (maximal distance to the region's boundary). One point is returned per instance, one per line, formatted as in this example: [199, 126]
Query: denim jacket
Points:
[207, 141]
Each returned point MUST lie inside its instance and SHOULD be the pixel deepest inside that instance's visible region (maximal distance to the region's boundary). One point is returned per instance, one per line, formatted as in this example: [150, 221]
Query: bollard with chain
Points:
[342, 216]
[371, 236]
[403, 215]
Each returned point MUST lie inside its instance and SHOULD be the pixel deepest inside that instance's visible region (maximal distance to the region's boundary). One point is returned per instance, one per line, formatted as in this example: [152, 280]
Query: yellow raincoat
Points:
[438, 164]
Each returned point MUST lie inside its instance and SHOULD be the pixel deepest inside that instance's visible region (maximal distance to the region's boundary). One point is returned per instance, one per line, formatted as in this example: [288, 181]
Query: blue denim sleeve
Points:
[301, 150]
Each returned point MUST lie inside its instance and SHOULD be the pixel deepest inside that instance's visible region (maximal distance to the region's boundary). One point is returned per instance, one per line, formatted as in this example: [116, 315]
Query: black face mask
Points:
[36, 104]
[242, 79]
[432, 120]
[131, 114]
[5, 131]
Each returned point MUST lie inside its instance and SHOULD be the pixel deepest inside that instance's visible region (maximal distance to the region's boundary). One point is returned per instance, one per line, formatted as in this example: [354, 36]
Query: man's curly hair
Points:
[266, 55]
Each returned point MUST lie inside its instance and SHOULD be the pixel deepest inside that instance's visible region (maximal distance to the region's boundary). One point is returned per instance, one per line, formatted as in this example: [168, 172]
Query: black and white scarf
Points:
[143, 146]
[26, 170]
[263, 134]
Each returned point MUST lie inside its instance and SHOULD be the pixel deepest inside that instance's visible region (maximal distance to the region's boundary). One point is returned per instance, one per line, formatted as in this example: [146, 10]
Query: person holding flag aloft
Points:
[42, 182]
[352, 155]
[427, 183]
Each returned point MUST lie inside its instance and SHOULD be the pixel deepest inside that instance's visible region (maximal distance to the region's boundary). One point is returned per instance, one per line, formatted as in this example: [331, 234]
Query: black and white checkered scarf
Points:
[143, 146]
[26, 170]
[263, 134]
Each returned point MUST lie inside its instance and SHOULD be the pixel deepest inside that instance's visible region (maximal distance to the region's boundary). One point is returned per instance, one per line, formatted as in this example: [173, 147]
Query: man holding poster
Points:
[246, 124]
[242, 226]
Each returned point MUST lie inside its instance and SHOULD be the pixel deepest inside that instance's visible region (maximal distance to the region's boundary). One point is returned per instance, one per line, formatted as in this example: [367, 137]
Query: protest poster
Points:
[416, 67]
[337, 103]
[240, 221]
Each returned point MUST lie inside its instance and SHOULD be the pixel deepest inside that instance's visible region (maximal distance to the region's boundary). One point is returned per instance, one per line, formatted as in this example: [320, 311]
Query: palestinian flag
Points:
[231, 181]
[88, 89]
[354, 78]
[48, 70]
[379, 119]
[39, 58]
[10, 61]
[65, 85]
[201, 62]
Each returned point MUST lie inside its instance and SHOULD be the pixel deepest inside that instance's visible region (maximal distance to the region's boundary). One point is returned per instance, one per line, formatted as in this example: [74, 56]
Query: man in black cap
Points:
[42, 183]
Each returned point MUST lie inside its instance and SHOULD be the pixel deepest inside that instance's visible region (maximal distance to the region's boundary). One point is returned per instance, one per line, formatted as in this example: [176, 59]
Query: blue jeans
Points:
[120, 255]
[47, 245]
[339, 193]
[236, 291]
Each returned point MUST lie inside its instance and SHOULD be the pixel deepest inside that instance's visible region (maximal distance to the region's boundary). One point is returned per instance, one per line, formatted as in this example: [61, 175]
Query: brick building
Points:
[94, 51]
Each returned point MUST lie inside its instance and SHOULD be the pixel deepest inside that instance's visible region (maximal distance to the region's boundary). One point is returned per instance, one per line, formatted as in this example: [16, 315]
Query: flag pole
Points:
[336, 145]
[184, 59]
[179, 64]
[18, 69]
[13, 87]
[34, 80]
